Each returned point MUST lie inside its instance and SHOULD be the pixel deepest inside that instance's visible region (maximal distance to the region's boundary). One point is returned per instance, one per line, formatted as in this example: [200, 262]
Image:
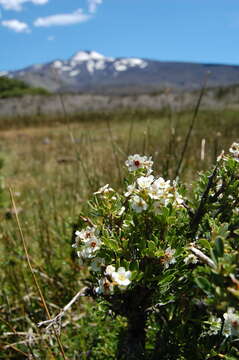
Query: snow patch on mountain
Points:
[124, 64]
[90, 66]
[57, 64]
[66, 68]
[82, 56]
[74, 73]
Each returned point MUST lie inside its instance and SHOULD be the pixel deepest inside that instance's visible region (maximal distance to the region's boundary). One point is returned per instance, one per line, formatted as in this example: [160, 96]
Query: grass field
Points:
[52, 166]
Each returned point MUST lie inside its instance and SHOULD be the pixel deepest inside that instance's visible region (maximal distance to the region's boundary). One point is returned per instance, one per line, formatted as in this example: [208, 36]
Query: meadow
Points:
[52, 166]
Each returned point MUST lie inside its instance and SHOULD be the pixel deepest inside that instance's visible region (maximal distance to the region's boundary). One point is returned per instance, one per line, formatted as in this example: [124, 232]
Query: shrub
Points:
[15, 87]
[166, 259]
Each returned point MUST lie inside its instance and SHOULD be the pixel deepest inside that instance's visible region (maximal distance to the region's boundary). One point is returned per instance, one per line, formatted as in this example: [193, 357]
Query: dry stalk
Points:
[32, 272]
[56, 321]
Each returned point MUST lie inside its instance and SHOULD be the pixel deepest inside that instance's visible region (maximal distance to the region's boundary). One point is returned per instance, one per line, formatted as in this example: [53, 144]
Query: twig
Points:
[25, 341]
[130, 134]
[32, 271]
[12, 346]
[114, 148]
[191, 126]
[56, 321]
[204, 258]
[201, 209]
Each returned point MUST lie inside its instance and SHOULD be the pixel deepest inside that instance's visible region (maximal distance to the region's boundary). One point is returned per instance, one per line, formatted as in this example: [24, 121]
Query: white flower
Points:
[168, 257]
[215, 327]
[190, 259]
[234, 150]
[162, 202]
[85, 254]
[85, 234]
[104, 190]
[157, 207]
[130, 190]
[178, 200]
[138, 204]
[144, 182]
[122, 277]
[159, 188]
[93, 243]
[90, 247]
[105, 287]
[162, 184]
[231, 324]
[109, 270]
[136, 162]
[97, 263]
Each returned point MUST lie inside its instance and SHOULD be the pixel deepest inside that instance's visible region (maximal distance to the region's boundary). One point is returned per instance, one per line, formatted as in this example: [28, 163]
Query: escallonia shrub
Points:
[166, 258]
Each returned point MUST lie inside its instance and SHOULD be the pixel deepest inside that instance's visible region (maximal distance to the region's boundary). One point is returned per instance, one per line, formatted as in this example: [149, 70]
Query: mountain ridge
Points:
[91, 72]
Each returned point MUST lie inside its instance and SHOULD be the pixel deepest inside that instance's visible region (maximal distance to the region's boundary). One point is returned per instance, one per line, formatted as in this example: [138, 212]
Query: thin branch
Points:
[201, 209]
[12, 346]
[56, 321]
[201, 256]
[191, 126]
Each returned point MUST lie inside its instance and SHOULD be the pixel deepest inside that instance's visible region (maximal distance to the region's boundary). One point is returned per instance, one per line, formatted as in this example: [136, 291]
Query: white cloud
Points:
[16, 25]
[17, 4]
[76, 17]
[93, 4]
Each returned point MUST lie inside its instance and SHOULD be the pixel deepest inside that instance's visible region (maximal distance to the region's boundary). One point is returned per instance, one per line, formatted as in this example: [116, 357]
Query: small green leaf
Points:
[205, 244]
[219, 247]
[203, 284]
[151, 246]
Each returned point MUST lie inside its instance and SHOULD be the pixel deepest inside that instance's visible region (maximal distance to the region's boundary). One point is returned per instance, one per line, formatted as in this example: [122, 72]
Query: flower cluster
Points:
[147, 188]
[168, 258]
[150, 245]
[91, 243]
[119, 278]
[229, 325]
[234, 150]
[94, 243]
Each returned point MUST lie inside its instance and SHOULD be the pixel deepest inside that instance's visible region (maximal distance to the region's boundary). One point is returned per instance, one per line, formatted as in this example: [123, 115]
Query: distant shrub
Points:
[15, 87]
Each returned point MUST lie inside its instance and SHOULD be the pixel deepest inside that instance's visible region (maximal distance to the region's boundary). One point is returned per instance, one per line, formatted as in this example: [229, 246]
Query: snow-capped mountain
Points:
[89, 71]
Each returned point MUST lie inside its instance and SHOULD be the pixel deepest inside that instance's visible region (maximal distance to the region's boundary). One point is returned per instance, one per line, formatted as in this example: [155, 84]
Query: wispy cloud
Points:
[16, 25]
[76, 17]
[93, 4]
[17, 4]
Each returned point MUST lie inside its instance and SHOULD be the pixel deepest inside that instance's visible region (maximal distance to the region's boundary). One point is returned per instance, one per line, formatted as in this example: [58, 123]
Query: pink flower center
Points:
[235, 324]
[136, 163]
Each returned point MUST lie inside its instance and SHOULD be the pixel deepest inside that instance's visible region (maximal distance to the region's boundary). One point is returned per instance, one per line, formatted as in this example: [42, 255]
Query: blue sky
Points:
[36, 31]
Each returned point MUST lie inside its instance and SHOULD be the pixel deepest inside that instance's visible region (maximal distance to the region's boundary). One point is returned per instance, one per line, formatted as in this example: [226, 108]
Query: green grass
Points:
[53, 165]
